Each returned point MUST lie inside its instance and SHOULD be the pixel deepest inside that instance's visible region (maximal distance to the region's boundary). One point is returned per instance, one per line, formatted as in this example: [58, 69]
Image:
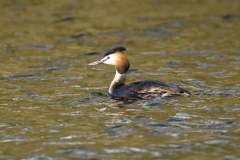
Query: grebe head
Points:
[116, 58]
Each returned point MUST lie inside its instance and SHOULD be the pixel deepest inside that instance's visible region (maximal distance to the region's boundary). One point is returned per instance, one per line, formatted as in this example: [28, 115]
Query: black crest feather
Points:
[115, 49]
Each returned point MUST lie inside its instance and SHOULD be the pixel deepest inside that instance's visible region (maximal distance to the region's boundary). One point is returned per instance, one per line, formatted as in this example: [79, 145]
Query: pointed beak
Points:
[98, 62]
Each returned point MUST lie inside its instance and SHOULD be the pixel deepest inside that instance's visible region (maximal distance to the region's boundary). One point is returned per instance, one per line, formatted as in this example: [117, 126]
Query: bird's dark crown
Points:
[115, 49]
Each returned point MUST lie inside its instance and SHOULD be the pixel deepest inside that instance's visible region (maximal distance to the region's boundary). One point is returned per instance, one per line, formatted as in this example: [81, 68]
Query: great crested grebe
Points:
[141, 89]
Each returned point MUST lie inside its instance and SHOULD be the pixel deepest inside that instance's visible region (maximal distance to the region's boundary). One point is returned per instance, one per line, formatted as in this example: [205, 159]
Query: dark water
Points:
[54, 106]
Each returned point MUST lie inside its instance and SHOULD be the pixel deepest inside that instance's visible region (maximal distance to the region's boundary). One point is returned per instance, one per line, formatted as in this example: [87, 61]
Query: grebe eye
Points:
[108, 57]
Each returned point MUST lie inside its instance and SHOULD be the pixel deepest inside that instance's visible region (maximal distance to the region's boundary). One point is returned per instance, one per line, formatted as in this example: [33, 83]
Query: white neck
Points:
[119, 80]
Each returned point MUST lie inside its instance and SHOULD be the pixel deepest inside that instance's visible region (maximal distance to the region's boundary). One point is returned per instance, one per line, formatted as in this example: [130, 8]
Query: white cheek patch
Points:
[110, 59]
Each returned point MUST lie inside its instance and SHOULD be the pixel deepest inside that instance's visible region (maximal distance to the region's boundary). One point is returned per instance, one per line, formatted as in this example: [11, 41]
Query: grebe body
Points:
[140, 89]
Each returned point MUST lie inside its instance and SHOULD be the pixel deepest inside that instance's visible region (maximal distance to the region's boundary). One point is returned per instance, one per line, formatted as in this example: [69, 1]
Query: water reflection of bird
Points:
[141, 89]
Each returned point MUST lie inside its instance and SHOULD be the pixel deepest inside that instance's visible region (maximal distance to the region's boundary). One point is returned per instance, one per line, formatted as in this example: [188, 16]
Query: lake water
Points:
[54, 106]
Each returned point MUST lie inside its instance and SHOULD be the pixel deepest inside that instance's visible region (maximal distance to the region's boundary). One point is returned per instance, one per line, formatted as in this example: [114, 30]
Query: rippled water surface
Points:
[54, 106]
